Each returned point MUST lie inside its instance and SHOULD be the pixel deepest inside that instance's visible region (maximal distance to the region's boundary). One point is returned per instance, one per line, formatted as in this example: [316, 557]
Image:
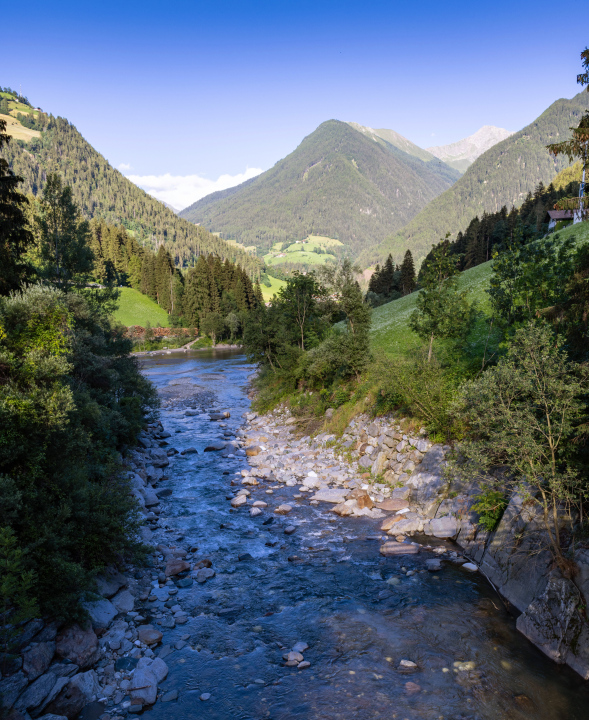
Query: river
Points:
[328, 586]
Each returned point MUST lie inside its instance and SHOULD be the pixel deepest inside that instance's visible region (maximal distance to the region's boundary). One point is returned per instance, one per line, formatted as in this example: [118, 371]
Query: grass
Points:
[390, 332]
[269, 292]
[18, 131]
[303, 254]
[299, 256]
[137, 309]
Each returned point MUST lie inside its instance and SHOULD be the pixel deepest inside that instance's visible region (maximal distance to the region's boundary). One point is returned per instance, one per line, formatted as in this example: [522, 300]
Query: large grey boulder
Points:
[159, 457]
[80, 645]
[111, 580]
[123, 601]
[331, 495]
[101, 612]
[34, 695]
[444, 527]
[554, 624]
[80, 690]
[143, 690]
[37, 659]
[11, 687]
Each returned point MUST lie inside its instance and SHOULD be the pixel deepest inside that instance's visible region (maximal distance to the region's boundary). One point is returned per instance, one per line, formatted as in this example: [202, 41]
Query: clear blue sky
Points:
[212, 88]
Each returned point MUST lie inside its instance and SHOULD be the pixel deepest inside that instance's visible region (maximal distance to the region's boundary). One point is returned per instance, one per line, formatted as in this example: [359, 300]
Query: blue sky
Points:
[208, 93]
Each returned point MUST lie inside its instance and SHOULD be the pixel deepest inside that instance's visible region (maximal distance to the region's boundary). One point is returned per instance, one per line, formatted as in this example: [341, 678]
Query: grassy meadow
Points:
[137, 309]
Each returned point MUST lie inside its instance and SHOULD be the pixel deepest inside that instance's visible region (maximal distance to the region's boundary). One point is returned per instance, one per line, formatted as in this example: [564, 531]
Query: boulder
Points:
[392, 504]
[331, 495]
[343, 510]
[390, 522]
[81, 690]
[148, 635]
[379, 464]
[80, 645]
[238, 501]
[156, 666]
[123, 601]
[189, 451]
[283, 509]
[52, 716]
[159, 458]
[149, 497]
[11, 687]
[37, 659]
[101, 612]
[408, 525]
[175, 565]
[365, 461]
[215, 447]
[143, 689]
[110, 581]
[445, 527]
[34, 695]
[253, 450]
[393, 548]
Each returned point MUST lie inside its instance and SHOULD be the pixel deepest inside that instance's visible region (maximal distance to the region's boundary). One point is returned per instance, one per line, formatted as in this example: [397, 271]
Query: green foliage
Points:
[490, 507]
[137, 309]
[502, 176]
[17, 602]
[212, 324]
[337, 183]
[523, 414]
[70, 398]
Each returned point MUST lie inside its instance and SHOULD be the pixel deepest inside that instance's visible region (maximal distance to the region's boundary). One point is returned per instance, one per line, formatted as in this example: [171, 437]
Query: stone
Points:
[163, 492]
[283, 509]
[408, 525]
[156, 666]
[215, 447]
[390, 522]
[433, 564]
[444, 527]
[174, 566]
[304, 664]
[362, 498]
[159, 457]
[126, 663]
[293, 656]
[553, 623]
[412, 688]
[204, 574]
[379, 464]
[253, 450]
[260, 504]
[11, 687]
[37, 659]
[81, 690]
[343, 509]
[205, 696]
[170, 696]
[149, 635]
[331, 495]
[80, 645]
[143, 690]
[92, 711]
[392, 504]
[101, 613]
[289, 530]
[52, 716]
[300, 647]
[110, 581]
[123, 601]
[471, 567]
[409, 664]
[238, 501]
[365, 461]
[189, 451]
[255, 511]
[393, 548]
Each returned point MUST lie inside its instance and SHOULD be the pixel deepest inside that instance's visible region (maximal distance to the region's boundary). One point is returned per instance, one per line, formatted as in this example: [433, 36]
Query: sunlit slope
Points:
[137, 309]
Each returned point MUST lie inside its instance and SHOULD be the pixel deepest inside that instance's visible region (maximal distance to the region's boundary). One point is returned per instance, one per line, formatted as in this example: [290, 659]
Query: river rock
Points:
[11, 687]
[80, 690]
[255, 511]
[408, 525]
[159, 458]
[80, 645]
[260, 504]
[392, 504]
[189, 451]
[148, 635]
[204, 574]
[238, 501]
[331, 495]
[343, 509]
[283, 509]
[52, 716]
[143, 690]
[392, 548]
[124, 601]
[110, 581]
[215, 447]
[34, 695]
[433, 564]
[365, 461]
[156, 666]
[444, 527]
[253, 450]
[37, 659]
[176, 565]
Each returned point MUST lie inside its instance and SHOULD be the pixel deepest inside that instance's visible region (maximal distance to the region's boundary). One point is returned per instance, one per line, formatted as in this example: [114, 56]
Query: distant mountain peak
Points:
[393, 138]
[464, 152]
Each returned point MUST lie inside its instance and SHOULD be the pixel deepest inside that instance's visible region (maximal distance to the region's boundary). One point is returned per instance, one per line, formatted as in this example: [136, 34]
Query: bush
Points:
[490, 507]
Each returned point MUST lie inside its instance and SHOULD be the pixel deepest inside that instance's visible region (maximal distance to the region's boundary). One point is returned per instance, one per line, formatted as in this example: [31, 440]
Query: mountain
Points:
[42, 143]
[338, 183]
[396, 140]
[503, 175]
[462, 154]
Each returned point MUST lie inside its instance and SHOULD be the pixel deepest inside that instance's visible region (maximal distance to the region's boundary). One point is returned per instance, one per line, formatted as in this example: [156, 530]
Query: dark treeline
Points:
[391, 281]
[488, 234]
[211, 286]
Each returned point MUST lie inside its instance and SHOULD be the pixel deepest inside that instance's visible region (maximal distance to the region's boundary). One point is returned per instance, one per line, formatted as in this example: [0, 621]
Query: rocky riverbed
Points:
[291, 577]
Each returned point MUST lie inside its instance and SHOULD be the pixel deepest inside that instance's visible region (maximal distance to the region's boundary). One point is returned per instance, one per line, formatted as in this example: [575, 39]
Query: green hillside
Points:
[390, 332]
[101, 191]
[503, 175]
[137, 309]
[269, 292]
[337, 183]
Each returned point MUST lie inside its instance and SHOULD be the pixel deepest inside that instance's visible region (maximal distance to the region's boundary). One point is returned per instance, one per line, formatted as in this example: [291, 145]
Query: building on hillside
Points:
[562, 216]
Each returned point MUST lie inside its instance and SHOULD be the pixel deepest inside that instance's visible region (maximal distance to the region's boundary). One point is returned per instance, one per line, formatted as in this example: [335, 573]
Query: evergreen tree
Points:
[407, 274]
[15, 236]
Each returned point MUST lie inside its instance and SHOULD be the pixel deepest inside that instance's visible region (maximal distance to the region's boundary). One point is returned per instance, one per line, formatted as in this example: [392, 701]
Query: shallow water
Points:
[328, 586]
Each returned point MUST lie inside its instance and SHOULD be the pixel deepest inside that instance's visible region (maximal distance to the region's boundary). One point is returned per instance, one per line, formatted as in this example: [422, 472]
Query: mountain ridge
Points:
[462, 153]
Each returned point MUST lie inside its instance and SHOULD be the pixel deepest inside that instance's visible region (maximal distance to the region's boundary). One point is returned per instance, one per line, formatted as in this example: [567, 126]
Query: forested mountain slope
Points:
[338, 183]
[503, 175]
[101, 191]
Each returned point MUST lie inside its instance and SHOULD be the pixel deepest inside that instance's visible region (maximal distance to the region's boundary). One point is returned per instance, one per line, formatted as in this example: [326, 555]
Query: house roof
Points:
[560, 214]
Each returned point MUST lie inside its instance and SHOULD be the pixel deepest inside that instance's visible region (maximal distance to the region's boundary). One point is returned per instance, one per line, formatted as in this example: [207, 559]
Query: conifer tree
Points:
[407, 274]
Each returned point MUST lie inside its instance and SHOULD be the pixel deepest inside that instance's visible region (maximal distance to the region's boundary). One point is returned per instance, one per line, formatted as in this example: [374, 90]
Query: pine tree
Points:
[407, 274]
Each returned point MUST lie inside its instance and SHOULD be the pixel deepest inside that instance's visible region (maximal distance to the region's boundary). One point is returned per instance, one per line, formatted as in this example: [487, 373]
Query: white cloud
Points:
[123, 167]
[183, 190]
